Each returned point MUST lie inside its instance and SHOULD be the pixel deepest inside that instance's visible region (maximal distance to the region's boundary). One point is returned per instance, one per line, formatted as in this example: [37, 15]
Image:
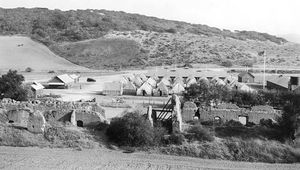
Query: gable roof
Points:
[65, 78]
[242, 74]
[165, 81]
[282, 81]
[37, 86]
[129, 85]
[74, 76]
[112, 86]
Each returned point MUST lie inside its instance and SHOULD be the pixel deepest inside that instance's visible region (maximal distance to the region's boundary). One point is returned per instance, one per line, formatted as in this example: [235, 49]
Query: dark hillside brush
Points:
[133, 130]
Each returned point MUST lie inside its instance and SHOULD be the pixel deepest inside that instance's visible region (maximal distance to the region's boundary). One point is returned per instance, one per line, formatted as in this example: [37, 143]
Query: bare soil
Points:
[46, 158]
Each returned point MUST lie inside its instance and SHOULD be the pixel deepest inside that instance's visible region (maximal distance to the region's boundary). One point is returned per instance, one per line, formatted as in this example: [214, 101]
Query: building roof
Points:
[242, 74]
[282, 81]
[74, 76]
[129, 85]
[37, 86]
[65, 78]
[112, 86]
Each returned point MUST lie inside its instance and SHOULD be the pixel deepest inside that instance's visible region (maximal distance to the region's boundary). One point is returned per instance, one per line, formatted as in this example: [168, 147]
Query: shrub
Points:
[200, 133]
[131, 130]
[51, 71]
[171, 30]
[233, 123]
[28, 69]
[226, 63]
[175, 138]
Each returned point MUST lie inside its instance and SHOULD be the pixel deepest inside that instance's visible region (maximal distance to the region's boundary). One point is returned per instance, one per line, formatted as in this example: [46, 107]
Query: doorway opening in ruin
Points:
[10, 121]
[79, 123]
[160, 93]
[217, 120]
[243, 119]
[144, 93]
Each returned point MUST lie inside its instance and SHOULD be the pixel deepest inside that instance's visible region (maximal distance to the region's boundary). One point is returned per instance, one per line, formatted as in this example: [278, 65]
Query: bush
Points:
[131, 130]
[28, 69]
[200, 133]
[233, 123]
[226, 63]
[171, 30]
[175, 138]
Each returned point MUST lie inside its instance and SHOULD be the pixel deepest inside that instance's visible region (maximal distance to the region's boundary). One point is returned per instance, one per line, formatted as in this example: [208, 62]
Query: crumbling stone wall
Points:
[233, 114]
[55, 110]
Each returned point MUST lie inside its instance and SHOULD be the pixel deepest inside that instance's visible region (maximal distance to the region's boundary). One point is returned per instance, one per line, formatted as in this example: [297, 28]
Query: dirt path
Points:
[102, 159]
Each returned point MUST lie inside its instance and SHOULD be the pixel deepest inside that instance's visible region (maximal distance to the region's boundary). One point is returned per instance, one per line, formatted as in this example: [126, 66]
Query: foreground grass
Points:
[235, 149]
[60, 137]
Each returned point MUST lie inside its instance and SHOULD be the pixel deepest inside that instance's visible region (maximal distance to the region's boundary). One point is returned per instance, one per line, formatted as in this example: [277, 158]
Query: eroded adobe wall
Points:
[233, 114]
[53, 109]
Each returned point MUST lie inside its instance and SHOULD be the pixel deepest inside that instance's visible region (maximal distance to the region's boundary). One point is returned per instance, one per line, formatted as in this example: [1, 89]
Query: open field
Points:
[45, 158]
[17, 52]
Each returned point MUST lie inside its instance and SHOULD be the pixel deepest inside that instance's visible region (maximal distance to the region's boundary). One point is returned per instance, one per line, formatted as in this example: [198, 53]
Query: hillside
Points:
[108, 39]
[18, 52]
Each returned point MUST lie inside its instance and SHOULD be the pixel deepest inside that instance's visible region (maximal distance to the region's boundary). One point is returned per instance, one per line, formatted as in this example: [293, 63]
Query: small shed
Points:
[129, 89]
[113, 88]
[162, 89]
[61, 81]
[280, 83]
[145, 90]
[37, 89]
[246, 77]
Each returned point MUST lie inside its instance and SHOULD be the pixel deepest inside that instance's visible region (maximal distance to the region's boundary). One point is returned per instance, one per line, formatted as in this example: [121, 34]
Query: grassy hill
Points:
[108, 39]
[18, 52]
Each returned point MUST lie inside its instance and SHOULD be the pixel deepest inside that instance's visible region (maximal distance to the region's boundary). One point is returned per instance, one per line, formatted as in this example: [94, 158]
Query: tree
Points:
[11, 86]
[131, 130]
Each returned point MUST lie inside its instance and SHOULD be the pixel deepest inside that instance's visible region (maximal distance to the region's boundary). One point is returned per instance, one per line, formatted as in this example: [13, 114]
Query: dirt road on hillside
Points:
[104, 159]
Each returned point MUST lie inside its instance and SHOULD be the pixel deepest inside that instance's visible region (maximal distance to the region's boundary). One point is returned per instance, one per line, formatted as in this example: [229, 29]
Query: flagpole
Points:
[264, 80]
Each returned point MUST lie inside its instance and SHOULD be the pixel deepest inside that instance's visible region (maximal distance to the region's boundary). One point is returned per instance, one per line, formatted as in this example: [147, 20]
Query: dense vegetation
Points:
[56, 26]
[11, 86]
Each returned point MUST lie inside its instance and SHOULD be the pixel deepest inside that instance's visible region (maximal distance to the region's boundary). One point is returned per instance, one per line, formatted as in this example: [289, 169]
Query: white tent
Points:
[204, 80]
[166, 81]
[178, 80]
[124, 80]
[145, 89]
[177, 89]
[143, 77]
[151, 81]
[162, 89]
[137, 81]
[245, 87]
[191, 81]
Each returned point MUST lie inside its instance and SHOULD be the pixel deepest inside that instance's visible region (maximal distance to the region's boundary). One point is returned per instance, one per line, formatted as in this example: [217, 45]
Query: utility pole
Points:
[264, 80]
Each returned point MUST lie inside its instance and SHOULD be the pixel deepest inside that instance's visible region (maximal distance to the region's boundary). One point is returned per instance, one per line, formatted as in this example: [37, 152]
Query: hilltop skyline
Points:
[275, 17]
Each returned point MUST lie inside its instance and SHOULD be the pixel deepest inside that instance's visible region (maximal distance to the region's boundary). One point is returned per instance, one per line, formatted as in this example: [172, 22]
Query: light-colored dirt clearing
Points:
[104, 159]
[17, 52]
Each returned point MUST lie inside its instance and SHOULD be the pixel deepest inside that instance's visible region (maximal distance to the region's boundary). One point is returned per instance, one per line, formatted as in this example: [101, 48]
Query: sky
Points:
[277, 17]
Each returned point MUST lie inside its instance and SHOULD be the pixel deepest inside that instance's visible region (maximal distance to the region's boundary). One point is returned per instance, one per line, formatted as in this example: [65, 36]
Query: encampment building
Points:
[113, 88]
[62, 81]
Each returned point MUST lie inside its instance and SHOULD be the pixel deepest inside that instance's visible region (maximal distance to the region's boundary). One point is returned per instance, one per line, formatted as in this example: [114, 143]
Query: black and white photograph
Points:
[150, 84]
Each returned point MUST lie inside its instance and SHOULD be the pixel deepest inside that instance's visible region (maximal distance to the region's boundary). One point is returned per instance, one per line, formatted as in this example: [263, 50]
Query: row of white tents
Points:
[139, 84]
